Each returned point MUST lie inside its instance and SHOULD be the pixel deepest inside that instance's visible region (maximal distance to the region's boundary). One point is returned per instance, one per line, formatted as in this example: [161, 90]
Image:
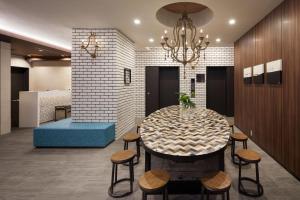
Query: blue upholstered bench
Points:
[65, 133]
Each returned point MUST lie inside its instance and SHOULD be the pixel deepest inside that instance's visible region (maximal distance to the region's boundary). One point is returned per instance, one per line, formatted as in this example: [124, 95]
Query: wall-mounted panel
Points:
[274, 71]
[258, 74]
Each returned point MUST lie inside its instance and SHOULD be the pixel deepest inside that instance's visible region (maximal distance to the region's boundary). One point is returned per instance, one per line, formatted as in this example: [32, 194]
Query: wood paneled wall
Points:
[272, 112]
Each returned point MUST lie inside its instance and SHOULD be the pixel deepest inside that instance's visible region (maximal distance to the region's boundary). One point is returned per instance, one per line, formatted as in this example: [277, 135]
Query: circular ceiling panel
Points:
[169, 14]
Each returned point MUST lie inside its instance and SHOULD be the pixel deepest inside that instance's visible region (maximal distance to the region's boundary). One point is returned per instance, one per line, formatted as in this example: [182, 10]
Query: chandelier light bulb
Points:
[207, 36]
[201, 30]
[166, 31]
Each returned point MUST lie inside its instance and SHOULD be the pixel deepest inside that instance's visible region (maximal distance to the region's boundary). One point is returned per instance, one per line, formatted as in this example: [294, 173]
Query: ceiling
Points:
[28, 49]
[51, 21]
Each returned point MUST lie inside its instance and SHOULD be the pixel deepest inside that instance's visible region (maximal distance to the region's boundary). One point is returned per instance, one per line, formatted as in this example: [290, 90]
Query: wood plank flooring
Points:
[27, 173]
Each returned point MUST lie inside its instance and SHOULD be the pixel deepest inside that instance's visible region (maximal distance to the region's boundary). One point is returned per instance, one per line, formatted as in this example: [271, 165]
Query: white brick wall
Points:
[214, 56]
[98, 91]
[126, 93]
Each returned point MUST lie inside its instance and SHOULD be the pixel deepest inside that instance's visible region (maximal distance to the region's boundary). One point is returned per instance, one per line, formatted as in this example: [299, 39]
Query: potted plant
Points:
[186, 101]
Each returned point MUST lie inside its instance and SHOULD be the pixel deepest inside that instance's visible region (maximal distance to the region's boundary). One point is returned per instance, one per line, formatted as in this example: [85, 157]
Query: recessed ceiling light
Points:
[232, 21]
[151, 40]
[137, 21]
[40, 50]
[218, 40]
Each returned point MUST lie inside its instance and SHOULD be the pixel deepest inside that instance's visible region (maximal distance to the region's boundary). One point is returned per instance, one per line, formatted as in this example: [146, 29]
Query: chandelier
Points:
[186, 45]
[92, 44]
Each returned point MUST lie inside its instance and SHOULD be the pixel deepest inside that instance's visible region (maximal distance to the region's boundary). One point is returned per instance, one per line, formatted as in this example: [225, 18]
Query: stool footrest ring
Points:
[242, 190]
[119, 195]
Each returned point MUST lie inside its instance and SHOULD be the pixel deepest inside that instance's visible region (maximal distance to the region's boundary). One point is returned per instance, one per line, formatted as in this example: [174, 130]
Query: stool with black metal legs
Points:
[154, 181]
[216, 183]
[121, 157]
[249, 156]
[238, 137]
[133, 137]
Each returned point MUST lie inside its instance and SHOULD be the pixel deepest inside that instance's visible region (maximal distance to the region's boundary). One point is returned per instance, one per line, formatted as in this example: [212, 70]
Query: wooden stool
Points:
[154, 181]
[249, 156]
[65, 108]
[121, 157]
[133, 137]
[217, 183]
[239, 137]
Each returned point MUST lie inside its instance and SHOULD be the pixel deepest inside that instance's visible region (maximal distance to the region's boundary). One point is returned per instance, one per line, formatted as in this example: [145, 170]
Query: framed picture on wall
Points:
[274, 72]
[127, 76]
[200, 78]
[258, 74]
[247, 75]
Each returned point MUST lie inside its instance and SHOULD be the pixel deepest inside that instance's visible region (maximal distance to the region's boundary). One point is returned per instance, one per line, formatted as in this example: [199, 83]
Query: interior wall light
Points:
[91, 46]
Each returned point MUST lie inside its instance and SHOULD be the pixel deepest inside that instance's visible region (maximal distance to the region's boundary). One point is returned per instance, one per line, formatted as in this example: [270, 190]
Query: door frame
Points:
[26, 70]
[229, 93]
[145, 86]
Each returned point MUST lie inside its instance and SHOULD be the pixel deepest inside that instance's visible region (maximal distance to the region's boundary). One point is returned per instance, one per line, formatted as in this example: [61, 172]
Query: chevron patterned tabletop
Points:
[177, 131]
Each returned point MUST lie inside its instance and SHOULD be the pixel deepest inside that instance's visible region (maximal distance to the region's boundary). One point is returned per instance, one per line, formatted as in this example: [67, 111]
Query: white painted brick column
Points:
[98, 90]
[5, 88]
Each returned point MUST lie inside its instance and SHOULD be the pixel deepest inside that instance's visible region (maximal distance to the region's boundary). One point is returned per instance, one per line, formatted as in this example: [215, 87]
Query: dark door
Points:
[168, 86]
[162, 87]
[219, 90]
[19, 82]
[152, 89]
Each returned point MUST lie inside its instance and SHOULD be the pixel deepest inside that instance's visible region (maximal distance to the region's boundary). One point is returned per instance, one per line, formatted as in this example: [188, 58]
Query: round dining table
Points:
[184, 135]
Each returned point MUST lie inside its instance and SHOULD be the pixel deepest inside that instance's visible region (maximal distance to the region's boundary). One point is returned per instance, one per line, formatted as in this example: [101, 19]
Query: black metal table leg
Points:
[221, 161]
[138, 150]
[232, 149]
[147, 161]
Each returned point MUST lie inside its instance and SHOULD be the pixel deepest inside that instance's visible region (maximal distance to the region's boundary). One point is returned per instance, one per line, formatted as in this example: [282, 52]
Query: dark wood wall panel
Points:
[297, 52]
[272, 112]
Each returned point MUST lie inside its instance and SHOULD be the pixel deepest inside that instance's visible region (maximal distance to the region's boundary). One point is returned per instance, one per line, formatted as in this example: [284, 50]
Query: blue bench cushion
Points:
[65, 133]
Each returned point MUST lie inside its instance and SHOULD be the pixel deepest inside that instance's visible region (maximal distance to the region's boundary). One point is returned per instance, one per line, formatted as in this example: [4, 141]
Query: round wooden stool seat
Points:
[122, 156]
[219, 181]
[154, 180]
[239, 136]
[248, 155]
[131, 137]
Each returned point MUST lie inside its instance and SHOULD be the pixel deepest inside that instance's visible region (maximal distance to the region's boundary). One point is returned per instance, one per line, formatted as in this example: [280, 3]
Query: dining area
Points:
[183, 151]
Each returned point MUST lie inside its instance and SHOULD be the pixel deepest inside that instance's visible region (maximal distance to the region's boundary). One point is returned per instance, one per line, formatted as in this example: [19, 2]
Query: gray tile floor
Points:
[27, 173]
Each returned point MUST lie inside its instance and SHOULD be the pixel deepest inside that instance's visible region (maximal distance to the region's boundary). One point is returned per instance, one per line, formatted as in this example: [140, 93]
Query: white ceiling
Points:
[51, 21]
